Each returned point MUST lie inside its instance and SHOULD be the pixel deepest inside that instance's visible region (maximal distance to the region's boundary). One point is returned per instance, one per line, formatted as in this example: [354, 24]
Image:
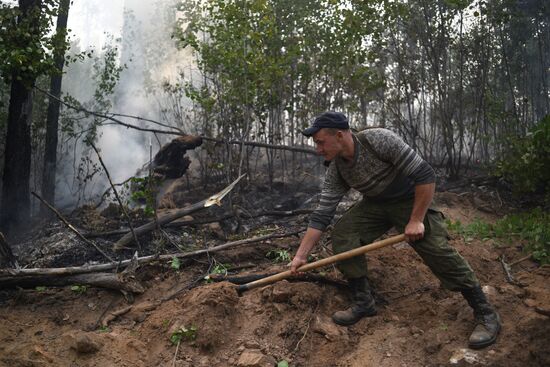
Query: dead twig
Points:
[71, 227]
[116, 193]
[307, 327]
[176, 354]
[507, 270]
[521, 260]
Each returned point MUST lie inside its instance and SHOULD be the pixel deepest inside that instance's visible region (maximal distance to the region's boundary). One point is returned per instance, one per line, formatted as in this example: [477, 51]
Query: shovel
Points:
[323, 262]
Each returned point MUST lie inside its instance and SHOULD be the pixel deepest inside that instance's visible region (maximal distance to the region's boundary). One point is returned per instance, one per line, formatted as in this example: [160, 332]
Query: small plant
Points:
[455, 226]
[103, 329]
[279, 255]
[184, 334]
[283, 363]
[175, 263]
[532, 227]
[79, 289]
[219, 268]
[142, 193]
[40, 288]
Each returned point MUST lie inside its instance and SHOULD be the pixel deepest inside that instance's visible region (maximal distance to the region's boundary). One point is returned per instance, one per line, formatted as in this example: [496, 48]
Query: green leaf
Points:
[283, 363]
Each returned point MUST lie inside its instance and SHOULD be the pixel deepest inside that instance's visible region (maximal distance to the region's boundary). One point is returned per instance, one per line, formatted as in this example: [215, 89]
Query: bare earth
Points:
[418, 324]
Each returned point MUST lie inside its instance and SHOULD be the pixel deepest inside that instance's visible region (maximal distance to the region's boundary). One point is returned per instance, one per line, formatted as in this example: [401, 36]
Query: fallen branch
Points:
[102, 280]
[71, 227]
[140, 260]
[261, 145]
[146, 228]
[175, 130]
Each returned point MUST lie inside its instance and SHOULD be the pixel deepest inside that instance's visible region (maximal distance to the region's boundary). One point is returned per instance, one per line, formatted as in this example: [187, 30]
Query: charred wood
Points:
[71, 227]
[148, 227]
[183, 223]
[170, 161]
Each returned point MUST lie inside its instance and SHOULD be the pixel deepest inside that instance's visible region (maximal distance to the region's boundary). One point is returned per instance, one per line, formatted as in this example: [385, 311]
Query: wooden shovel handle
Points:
[323, 262]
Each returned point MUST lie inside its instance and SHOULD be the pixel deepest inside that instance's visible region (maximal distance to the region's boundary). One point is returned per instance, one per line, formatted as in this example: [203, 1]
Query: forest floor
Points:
[210, 324]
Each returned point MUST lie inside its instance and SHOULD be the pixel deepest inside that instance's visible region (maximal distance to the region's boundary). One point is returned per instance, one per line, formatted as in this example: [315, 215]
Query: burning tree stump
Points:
[170, 161]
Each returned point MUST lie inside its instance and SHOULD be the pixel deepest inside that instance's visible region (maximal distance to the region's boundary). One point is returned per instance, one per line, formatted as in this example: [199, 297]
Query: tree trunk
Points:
[15, 204]
[52, 122]
[17, 162]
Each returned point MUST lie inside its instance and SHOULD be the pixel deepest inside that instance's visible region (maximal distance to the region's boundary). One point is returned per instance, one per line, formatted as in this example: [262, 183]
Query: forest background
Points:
[465, 83]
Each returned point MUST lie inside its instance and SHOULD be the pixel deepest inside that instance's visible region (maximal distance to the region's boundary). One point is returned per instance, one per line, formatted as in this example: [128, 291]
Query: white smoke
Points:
[150, 57]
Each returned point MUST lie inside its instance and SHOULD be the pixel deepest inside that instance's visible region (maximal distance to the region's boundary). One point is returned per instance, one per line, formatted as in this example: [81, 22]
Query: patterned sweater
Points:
[389, 173]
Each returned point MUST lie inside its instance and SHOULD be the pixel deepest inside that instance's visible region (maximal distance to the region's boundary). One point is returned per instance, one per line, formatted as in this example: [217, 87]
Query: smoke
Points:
[141, 30]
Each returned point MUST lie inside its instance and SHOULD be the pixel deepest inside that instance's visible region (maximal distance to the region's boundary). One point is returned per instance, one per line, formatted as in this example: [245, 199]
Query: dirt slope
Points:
[418, 324]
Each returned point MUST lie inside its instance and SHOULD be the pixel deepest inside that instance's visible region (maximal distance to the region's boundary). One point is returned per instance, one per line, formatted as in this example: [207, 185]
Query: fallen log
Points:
[13, 273]
[102, 280]
[148, 227]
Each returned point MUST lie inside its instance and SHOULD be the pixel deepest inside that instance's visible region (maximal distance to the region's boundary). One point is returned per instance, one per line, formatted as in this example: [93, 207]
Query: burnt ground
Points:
[418, 324]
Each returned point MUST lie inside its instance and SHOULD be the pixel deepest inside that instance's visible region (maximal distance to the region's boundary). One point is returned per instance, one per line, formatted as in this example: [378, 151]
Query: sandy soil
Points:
[418, 324]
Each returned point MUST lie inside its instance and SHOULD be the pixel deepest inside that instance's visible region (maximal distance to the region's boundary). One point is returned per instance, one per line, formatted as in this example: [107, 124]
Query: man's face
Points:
[328, 145]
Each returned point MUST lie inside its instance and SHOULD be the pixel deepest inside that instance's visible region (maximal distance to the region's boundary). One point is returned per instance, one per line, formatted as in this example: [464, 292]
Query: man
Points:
[398, 187]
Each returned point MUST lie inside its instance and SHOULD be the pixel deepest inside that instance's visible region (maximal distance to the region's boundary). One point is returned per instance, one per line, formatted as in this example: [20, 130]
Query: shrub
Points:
[527, 164]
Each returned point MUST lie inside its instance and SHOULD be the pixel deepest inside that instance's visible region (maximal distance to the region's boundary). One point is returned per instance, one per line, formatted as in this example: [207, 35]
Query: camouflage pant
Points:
[367, 220]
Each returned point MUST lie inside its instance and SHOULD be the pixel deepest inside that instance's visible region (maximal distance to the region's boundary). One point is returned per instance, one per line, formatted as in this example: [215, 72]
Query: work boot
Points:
[487, 319]
[363, 303]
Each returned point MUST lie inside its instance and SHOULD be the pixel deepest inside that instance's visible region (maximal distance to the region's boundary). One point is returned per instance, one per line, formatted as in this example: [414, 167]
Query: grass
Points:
[532, 227]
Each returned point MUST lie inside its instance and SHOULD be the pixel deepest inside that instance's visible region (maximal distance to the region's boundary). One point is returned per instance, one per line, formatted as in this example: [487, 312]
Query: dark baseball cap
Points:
[330, 119]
